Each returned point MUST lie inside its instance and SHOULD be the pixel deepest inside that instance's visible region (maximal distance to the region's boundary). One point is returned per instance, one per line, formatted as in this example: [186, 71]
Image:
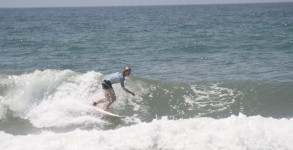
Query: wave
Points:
[55, 99]
[203, 133]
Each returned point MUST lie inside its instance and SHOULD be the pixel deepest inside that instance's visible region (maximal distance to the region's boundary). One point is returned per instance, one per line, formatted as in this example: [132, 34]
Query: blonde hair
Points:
[126, 69]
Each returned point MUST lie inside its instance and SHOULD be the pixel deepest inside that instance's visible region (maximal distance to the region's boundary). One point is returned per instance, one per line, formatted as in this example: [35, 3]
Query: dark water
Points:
[211, 68]
[204, 42]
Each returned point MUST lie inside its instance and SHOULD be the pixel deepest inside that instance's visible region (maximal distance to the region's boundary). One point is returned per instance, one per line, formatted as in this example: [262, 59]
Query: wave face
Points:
[57, 100]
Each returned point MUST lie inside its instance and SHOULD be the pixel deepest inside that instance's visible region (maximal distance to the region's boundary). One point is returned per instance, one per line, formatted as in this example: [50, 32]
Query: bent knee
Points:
[113, 98]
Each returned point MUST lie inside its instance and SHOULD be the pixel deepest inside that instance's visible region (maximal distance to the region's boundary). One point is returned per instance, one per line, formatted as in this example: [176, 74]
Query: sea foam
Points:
[236, 132]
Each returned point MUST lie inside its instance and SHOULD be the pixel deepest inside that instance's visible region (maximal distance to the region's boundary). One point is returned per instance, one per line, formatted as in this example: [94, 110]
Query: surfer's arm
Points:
[126, 90]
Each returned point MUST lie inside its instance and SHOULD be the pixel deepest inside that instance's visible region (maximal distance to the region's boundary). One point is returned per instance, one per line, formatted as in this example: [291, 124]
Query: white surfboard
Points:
[106, 112]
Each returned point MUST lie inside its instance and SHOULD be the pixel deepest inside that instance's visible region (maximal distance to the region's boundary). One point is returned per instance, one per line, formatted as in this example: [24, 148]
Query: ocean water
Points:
[205, 77]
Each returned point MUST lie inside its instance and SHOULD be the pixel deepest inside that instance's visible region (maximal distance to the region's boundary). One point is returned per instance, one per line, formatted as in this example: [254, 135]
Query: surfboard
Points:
[106, 112]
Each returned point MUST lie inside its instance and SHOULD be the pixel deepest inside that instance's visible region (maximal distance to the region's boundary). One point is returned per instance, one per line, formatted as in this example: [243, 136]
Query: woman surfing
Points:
[108, 89]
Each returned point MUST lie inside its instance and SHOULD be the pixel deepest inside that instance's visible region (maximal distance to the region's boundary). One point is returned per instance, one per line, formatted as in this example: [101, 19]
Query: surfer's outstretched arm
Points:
[126, 90]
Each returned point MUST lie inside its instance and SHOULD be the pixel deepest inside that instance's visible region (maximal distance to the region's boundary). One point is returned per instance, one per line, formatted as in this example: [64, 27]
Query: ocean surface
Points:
[206, 77]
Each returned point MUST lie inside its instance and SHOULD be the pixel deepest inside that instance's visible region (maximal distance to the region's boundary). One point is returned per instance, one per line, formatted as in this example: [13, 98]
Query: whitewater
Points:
[202, 133]
[47, 110]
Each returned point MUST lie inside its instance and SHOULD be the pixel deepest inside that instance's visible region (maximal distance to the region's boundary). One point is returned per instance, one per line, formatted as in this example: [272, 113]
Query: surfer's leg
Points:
[107, 97]
[99, 101]
[112, 98]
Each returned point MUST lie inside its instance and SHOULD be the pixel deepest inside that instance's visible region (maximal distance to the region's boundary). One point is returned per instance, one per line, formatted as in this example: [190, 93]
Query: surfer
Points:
[108, 89]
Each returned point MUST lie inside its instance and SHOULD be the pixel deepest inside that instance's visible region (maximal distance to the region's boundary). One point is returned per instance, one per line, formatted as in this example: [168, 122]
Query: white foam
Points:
[64, 107]
[2, 110]
[235, 133]
[29, 89]
[213, 96]
[52, 98]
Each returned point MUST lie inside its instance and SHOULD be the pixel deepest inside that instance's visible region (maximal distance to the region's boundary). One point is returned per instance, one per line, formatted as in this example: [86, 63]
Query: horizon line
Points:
[142, 5]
